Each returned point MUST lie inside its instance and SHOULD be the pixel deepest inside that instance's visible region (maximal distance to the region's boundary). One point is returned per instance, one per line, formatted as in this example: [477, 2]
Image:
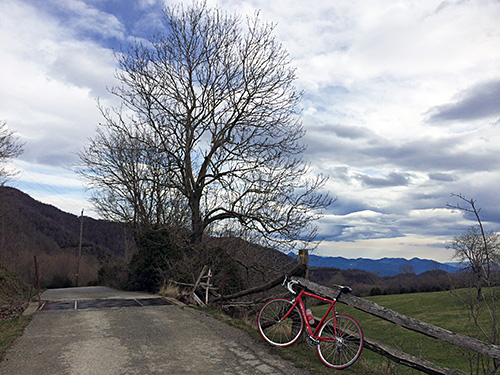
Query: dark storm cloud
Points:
[344, 206]
[359, 231]
[477, 102]
[433, 155]
[341, 131]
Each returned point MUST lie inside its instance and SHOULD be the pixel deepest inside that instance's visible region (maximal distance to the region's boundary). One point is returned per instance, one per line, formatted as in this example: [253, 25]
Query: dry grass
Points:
[170, 290]
[62, 265]
[14, 296]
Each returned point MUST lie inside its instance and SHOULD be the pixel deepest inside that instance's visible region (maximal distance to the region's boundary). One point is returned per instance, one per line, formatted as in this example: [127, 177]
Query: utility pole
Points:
[79, 249]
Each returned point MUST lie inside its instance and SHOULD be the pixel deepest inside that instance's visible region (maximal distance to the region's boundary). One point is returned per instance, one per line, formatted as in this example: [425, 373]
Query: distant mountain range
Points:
[384, 266]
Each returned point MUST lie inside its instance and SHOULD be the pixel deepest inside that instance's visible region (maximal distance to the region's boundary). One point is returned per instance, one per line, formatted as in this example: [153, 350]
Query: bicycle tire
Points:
[346, 346]
[276, 331]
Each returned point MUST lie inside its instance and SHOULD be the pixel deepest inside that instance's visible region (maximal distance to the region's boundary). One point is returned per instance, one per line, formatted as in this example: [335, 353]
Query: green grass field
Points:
[441, 309]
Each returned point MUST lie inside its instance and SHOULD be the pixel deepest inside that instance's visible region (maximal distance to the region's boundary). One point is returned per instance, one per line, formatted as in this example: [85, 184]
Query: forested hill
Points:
[28, 224]
[29, 227]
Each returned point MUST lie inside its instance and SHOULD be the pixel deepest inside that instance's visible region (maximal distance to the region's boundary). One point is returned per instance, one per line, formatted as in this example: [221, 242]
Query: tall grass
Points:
[53, 267]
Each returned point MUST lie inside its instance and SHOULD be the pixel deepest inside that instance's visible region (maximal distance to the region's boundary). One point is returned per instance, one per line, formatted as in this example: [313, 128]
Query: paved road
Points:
[89, 293]
[135, 340]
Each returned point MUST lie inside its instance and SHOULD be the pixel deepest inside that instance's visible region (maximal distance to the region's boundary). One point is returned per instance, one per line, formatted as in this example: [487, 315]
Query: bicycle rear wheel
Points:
[276, 330]
[341, 342]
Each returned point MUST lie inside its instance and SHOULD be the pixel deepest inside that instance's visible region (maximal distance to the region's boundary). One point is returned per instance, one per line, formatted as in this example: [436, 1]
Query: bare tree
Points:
[478, 254]
[212, 103]
[479, 250]
[129, 180]
[407, 269]
[9, 148]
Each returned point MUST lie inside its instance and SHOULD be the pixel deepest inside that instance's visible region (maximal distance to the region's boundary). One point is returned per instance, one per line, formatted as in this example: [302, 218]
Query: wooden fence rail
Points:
[396, 355]
[372, 308]
[408, 360]
[415, 325]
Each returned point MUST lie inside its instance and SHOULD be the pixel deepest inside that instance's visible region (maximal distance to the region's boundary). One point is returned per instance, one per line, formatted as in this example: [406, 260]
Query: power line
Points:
[29, 178]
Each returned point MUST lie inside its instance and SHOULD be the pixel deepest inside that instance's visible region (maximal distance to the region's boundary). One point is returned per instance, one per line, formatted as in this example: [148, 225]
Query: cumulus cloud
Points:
[87, 20]
[51, 80]
[378, 77]
[444, 177]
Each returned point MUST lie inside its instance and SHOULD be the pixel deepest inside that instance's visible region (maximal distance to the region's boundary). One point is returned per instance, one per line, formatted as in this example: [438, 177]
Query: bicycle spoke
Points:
[276, 329]
[341, 341]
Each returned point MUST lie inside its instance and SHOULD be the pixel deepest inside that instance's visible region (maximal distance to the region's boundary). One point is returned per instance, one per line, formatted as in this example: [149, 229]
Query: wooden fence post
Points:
[193, 292]
[304, 259]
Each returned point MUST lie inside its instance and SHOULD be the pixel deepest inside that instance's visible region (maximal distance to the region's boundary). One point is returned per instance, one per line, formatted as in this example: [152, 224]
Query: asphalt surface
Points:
[134, 340]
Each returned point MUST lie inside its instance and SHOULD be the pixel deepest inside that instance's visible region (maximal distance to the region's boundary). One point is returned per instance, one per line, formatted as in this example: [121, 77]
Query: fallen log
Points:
[297, 270]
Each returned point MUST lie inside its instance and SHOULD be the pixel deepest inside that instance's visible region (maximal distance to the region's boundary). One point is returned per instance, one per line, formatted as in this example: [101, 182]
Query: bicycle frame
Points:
[297, 301]
[338, 338]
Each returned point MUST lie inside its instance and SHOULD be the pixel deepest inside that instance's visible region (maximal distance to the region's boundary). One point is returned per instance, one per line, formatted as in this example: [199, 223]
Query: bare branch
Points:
[215, 131]
[10, 148]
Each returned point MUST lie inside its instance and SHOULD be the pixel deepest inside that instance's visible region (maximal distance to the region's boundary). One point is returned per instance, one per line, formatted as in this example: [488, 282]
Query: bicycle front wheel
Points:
[341, 342]
[274, 327]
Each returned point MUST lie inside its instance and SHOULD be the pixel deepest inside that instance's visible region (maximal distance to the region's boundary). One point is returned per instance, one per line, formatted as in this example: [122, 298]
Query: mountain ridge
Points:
[382, 267]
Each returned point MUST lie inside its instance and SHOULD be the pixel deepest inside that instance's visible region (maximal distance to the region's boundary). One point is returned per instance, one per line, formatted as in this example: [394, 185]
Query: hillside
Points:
[24, 218]
[365, 283]
[13, 294]
[29, 227]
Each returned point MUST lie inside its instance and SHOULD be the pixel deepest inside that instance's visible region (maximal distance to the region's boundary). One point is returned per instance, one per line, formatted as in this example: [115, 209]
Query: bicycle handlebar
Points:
[288, 282]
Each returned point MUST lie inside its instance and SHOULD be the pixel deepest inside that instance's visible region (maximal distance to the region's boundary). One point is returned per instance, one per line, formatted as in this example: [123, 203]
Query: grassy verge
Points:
[441, 309]
[14, 295]
[301, 354]
[10, 329]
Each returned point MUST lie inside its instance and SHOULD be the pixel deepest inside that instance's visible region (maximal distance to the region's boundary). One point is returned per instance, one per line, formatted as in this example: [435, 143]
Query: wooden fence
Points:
[401, 320]
[396, 355]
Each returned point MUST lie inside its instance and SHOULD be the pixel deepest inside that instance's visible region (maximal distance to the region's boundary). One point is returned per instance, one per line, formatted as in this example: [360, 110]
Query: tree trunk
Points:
[197, 225]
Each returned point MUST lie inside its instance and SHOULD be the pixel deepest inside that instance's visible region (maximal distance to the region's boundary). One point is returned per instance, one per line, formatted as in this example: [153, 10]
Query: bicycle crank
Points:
[311, 341]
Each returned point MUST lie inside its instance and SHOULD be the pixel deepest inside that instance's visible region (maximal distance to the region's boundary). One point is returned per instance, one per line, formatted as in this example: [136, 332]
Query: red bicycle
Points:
[338, 340]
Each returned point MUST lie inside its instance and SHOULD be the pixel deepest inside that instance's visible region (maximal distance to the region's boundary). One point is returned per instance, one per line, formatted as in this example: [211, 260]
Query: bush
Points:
[60, 281]
[113, 274]
[155, 261]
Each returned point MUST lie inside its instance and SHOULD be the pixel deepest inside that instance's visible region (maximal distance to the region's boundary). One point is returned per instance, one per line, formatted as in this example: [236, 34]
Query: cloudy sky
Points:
[401, 106]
